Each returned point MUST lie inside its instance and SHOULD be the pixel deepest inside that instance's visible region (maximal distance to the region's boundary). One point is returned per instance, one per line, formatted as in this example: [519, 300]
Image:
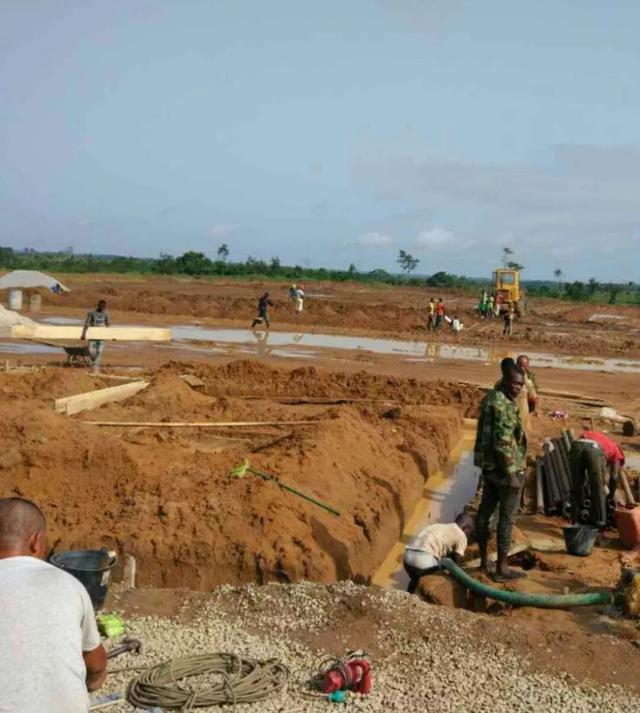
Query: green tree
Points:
[274, 265]
[592, 287]
[407, 262]
[194, 263]
[557, 273]
[6, 257]
[352, 270]
[223, 252]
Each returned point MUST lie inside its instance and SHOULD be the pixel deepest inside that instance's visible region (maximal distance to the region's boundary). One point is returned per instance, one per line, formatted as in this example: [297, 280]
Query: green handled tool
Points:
[242, 470]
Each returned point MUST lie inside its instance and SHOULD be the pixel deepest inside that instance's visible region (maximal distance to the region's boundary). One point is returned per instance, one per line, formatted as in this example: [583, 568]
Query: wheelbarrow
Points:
[79, 356]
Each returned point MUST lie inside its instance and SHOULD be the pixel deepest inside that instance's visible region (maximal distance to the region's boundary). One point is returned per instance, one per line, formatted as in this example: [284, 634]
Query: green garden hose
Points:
[542, 601]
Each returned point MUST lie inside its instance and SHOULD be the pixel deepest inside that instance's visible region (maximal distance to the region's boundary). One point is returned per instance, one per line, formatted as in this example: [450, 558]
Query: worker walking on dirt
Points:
[596, 462]
[431, 315]
[99, 317]
[439, 313]
[299, 299]
[51, 652]
[509, 316]
[500, 450]
[263, 311]
[423, 552]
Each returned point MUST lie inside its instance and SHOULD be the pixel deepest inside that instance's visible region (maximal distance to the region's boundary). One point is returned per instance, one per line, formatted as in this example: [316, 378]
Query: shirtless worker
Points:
[51, 654]
[99, 317]
[423, 552]
[500, 451]
[431, 315]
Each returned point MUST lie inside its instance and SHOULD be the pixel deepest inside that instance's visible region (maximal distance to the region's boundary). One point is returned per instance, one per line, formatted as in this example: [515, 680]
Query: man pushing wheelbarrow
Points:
[99, 317]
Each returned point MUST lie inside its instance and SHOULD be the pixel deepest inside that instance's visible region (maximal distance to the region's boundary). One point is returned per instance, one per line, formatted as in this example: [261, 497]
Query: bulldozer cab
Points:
[506, 283]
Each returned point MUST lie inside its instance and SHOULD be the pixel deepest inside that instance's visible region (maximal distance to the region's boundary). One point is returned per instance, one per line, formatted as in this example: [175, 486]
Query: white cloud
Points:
[223, 230]
[375, 240]
[435, 237]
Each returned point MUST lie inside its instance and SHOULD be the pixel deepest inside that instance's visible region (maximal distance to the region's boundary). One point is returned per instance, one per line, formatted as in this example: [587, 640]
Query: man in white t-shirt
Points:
[51, 654]
[423, 552]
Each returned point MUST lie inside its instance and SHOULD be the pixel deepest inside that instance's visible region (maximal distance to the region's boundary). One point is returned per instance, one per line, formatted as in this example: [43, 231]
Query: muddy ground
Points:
[385, 425]
[355, 308]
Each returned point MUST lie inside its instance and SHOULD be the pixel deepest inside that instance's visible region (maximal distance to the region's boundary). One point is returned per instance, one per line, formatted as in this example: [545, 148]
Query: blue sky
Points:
[326, 131]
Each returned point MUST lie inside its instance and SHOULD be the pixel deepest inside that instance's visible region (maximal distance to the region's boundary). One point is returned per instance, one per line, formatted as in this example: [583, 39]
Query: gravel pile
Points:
[426, 658]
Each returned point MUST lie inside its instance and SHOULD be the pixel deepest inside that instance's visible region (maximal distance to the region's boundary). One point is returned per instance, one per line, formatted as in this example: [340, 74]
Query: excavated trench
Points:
[166, 496]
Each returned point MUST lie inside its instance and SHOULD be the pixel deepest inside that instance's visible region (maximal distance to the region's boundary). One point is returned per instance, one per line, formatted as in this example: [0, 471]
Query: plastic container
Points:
[35, 302]
[91, 567]
[580, 539]
[14, 299]
[628, 522]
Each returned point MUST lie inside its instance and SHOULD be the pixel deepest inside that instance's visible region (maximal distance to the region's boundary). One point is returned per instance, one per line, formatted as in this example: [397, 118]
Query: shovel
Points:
[242, 470]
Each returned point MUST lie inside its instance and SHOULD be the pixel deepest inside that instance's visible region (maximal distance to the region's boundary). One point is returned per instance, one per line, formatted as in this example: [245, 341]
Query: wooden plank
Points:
[198, 424]
[93, 399]
[73, 333]
[194, 382]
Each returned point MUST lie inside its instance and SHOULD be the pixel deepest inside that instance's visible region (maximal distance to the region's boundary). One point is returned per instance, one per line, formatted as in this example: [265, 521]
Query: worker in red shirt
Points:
[595, 461]
[439, 313]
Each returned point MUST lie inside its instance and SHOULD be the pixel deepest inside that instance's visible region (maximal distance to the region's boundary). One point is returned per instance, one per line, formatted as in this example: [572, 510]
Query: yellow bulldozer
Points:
[506, 282]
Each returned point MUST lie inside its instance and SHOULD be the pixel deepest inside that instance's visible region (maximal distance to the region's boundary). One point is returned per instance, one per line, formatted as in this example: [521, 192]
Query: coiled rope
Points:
[238, 680]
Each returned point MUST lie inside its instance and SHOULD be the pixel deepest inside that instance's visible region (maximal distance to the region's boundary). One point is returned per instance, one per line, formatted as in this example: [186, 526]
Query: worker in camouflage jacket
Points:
[500, 451]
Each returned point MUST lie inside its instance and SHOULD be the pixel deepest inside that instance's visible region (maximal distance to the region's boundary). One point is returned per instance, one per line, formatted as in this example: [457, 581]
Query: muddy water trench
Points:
[445, 495]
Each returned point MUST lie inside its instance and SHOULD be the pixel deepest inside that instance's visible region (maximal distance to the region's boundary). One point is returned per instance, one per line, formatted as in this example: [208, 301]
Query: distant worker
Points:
[595, 462]
[99, 317]
[482, 304]
[431, 315]
[56, 289]
[51, 651]
[292, 292]
[523, 363]
[439, 313]
[509, 316]
[263, 311]
[423, 552]
[500, 451]
[498, 305]
[490, 306]
[299, 299]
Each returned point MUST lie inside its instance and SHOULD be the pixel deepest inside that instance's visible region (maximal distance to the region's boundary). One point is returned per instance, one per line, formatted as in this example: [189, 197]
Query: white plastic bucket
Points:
[15, 299]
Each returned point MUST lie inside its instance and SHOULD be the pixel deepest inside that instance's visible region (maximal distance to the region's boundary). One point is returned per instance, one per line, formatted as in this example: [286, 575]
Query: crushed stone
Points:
[428, 658]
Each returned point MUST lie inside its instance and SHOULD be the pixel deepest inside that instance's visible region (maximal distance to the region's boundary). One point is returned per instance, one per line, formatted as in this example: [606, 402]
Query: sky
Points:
[326, 132]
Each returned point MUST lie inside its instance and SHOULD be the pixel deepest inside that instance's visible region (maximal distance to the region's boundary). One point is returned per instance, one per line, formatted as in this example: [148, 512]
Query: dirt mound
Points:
[166, 495]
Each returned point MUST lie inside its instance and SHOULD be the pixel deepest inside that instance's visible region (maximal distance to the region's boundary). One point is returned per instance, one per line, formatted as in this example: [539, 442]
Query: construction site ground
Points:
[383, 428]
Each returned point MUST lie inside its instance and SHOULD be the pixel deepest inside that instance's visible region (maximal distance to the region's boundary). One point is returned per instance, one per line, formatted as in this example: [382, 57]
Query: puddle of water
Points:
[284, 339]
[416, 351]
[27, 348]
[263, 343]
[62, 320]
[603, 317]
[444, 496]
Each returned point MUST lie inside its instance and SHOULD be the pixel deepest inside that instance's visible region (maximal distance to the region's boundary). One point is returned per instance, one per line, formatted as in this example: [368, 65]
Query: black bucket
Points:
[580, 539]
[91, 567]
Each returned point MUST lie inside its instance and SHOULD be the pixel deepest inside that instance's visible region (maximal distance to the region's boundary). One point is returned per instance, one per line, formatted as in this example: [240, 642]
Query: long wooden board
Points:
[93, 399]
[198, 424]
[73, 333]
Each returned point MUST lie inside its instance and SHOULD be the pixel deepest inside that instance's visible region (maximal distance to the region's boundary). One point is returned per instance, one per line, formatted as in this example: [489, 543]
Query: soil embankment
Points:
[166, 495]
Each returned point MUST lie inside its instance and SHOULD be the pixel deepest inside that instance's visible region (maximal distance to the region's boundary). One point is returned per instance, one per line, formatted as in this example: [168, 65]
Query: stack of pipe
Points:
[553, 476]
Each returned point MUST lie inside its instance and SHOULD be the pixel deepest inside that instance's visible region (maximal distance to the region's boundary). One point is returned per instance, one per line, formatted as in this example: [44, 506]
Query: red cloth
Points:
[440, 310]
[612, 452]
